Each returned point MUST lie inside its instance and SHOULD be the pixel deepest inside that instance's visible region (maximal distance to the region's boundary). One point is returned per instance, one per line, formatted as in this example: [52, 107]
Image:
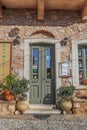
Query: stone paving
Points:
[44, 122]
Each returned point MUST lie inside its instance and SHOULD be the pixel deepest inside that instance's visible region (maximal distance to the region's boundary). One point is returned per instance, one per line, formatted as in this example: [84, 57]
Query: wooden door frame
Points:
[41, 73]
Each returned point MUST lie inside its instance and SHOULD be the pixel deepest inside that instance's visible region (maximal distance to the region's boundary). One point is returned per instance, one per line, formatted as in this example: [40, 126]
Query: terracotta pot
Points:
[85, 81]
[66, 105]
[8, 95]
[22, 106]
[7, 92]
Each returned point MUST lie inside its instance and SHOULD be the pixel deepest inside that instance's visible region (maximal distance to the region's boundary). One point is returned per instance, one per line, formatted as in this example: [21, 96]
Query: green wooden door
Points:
[42, 79]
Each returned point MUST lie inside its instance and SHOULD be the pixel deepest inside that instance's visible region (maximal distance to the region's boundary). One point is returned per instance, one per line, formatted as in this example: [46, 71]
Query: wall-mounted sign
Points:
[65, 69]
[13, 32]
[4, 59]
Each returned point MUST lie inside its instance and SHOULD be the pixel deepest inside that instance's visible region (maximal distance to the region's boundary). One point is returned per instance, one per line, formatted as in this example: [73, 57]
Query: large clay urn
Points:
[66, 105]
[22, 106]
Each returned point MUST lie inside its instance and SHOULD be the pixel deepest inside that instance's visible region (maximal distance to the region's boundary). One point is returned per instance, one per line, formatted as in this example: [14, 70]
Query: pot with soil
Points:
[66, 94]
[22, 106]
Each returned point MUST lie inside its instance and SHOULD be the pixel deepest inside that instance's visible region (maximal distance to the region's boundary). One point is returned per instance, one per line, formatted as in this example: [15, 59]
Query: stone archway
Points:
[43, 33]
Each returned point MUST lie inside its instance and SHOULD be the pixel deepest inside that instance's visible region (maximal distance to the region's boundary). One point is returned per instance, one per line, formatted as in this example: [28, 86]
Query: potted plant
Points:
[19, 89]
[15, 89]
[66, 94]
[6, 85]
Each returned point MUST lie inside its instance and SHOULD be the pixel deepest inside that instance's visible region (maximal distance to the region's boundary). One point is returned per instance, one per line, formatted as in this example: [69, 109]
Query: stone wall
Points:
[80, 102]
[58, 23]
[7, 108]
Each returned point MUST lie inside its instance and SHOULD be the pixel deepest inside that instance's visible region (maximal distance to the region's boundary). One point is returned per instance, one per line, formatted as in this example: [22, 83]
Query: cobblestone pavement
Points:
[44, 122]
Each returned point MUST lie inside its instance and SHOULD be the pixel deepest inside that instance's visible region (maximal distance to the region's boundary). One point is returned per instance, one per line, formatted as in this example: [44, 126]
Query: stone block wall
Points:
[7, 107]
[80, 102]
[58, 23]
[80, 107]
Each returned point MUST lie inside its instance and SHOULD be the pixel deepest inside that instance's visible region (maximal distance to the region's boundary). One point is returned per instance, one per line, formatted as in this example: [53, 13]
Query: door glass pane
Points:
[80, 53]
[48, 63]
[86, 52]
[35, 63]
[86, 64]
[80, 76]
[86, 73]
[80, 64]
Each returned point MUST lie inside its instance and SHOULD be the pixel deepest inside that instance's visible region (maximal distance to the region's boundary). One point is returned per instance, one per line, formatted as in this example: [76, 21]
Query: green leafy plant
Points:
[20, 88]
[67, 92]
[9, 81]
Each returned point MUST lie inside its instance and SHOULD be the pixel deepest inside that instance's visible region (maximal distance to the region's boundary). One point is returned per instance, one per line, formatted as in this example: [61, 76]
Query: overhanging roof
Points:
[41, 5]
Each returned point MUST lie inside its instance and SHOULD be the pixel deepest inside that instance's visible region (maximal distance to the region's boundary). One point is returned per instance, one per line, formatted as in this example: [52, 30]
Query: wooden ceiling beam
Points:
[0, 9]
[84, 12]
[40, 9]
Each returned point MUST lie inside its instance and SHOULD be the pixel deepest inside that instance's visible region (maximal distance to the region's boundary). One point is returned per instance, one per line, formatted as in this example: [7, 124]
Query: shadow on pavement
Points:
[41, 116]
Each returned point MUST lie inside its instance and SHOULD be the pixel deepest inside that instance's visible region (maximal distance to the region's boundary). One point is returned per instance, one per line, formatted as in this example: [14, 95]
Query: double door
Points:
[42, 74]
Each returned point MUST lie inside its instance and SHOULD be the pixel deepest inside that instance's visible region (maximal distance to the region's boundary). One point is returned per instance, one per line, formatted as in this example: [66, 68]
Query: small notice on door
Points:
[35, 69]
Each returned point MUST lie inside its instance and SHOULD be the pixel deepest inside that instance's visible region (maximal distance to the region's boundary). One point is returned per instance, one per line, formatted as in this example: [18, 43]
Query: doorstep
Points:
[42, 109]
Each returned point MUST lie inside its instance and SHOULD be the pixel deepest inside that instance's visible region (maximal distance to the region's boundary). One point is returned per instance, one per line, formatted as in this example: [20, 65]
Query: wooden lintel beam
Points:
[84, 12]
[0, 9]
[40, 9]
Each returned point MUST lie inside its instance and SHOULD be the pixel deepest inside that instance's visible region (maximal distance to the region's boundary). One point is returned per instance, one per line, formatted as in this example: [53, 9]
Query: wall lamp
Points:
[16, 41]
[64, 41]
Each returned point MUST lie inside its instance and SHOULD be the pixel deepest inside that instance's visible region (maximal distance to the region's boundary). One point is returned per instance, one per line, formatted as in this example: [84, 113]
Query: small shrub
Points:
[18, 87]
[67, 92]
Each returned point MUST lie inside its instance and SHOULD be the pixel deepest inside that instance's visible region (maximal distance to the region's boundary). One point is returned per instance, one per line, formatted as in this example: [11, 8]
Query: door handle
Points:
[44, 78]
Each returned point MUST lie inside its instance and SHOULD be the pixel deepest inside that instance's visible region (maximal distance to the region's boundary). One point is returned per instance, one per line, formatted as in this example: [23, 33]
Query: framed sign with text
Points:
[65, 69]
[5, 59]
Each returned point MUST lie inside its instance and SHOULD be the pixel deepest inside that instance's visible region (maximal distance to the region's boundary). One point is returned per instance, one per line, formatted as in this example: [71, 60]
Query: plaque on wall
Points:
[4, 59]
[65, 69]
[13, 32]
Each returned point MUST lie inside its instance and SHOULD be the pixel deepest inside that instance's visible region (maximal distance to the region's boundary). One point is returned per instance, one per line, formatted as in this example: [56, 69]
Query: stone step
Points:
[41, 106]
[40, 111]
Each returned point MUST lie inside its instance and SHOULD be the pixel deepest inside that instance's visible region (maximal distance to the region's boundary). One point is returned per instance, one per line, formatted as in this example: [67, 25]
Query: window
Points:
[35, 62]
[48, 63]
[82, 62]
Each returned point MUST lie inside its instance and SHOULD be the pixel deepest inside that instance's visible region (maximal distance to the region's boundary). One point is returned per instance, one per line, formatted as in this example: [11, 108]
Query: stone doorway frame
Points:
[57, 45]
